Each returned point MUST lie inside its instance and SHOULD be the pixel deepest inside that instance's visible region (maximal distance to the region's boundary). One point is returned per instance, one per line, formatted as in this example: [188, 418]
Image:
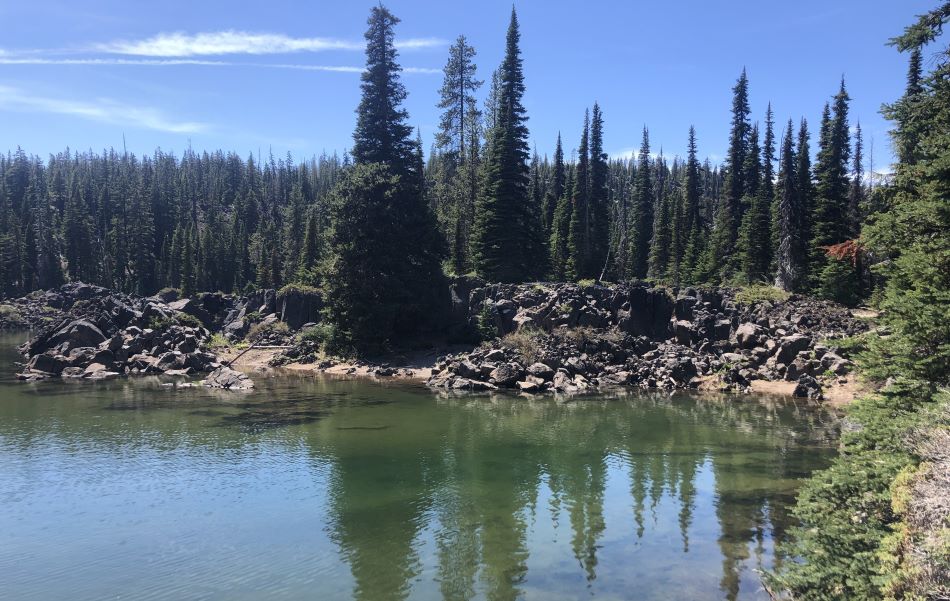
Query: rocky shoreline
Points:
[574, 339]
[538, 338]
[89, 332]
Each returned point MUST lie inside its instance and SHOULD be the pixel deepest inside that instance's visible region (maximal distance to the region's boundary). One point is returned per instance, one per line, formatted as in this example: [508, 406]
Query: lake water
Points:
[311, 488]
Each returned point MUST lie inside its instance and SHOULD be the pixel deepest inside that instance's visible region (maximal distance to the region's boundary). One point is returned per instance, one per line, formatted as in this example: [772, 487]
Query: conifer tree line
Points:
[481, 202]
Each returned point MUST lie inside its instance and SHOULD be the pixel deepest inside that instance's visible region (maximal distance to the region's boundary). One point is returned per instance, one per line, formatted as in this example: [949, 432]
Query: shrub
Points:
[297, 287]
[319, 334]
[586, 283]
[9, 312]
[526, 342]
[485, 323]
[260, 330]
[756, 293]
[838, 281]
[218, 341]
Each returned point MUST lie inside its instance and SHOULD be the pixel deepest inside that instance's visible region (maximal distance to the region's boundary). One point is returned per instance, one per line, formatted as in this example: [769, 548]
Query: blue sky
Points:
[284, 75]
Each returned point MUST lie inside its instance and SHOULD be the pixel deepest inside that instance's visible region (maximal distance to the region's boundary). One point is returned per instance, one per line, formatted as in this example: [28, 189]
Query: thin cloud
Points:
[217, 43]
[103, 111]
[109, 61]
[197, 62]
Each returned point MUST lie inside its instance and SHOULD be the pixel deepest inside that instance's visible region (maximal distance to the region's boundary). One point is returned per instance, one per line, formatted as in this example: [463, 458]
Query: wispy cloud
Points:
[103, 110]
[19, 60]
[171, 62]
[218, 43]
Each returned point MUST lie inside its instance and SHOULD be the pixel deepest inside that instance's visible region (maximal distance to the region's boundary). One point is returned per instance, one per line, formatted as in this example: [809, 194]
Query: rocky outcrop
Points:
[102, 335]
[228, 379]
[298, 306]
[571, 339]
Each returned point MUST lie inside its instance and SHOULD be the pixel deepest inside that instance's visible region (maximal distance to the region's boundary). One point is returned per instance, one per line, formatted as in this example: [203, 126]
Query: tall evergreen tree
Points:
[503, 216]
[385, 276]
[457, 100]
[659, 254]
[729, 213]
[806, 196]
[561, 231]
[790, 253]
[829, 216]
[856, 196]
[382, 134]
[555, 190]
[579, 236]
[691, 226]
[755, 234]
[641, 231]
[598, 201]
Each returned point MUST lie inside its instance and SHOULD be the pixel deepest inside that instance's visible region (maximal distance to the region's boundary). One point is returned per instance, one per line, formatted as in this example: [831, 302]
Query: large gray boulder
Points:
[226, 378]
[789, 347]
[750, 335]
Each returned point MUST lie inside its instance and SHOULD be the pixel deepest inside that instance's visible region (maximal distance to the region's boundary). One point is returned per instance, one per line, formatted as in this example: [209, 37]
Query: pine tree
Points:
[598, 202]
[579, 233]
[555, 189]
[690, 226]
[78, 237]
[856, 196]
[310, 252]
[729, 213]
[385, 277]
[790, 253]
[659, 254]
[457, 100]
[829, 216]
[642, 219]
[503, 216]
[561, 231]
[755, 234]
[806, 198]
[382, 134]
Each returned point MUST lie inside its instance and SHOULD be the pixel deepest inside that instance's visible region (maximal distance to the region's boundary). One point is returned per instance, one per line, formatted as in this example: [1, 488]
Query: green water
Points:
[321, 489]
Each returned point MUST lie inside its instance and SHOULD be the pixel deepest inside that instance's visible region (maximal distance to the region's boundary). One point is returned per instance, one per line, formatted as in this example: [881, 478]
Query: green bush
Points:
[178, 319]
[297, 287]
[260, 330]
[838, 281]
[526, 342]
[756, 293]
[319, 334]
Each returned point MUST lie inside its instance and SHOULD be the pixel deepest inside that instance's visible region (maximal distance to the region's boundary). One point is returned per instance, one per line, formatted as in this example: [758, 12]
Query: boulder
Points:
[684, 331]
[808, 387]
[541, 370]
[750, 335]
[226, 378]
[193, 307]
[789, 347]
[506, 374]
[50, 364]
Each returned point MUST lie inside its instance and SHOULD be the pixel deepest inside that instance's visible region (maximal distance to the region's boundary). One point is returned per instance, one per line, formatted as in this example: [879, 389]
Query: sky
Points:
[283, 76]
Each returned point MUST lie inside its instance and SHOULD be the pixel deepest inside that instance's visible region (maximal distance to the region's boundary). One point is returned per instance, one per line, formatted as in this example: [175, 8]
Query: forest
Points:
[216, 221]
[380, 229]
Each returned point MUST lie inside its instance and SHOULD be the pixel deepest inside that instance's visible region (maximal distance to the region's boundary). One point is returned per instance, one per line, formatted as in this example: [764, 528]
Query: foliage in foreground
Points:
[858, 538]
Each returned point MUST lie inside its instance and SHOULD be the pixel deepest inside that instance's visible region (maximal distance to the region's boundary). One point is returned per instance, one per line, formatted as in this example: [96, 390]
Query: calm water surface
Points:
[323, 489]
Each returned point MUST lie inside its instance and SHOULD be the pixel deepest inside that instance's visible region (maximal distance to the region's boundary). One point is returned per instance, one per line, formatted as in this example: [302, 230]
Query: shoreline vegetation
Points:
[741, 272]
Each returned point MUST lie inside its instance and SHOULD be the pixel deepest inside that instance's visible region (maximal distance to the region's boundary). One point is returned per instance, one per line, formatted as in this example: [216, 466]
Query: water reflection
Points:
[385, 493]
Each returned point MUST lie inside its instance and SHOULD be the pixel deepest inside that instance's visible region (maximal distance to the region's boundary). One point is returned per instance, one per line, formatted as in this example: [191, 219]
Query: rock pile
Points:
[572, 339]
[104, 335]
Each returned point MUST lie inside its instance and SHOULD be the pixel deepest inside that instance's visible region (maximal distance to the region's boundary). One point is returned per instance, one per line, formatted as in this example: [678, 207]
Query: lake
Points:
[314, 488]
